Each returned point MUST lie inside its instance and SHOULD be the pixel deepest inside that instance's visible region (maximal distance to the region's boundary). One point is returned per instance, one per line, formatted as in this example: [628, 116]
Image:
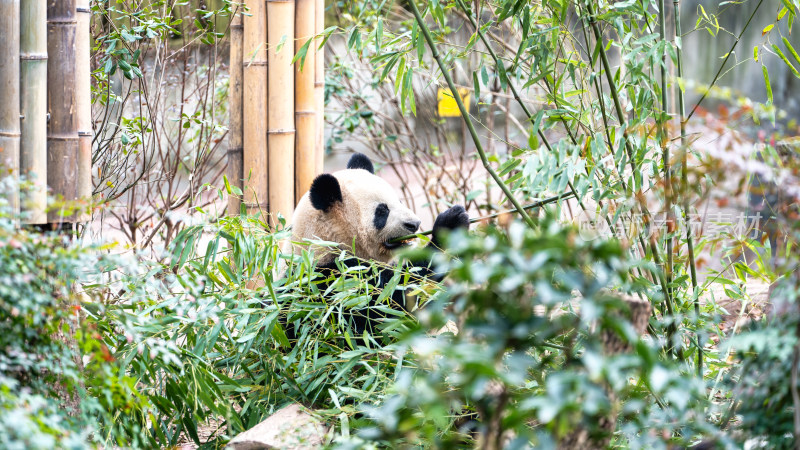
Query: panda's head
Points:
[356, 209]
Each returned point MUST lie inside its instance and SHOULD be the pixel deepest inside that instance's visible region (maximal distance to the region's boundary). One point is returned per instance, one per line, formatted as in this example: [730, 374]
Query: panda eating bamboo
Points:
[363, 214]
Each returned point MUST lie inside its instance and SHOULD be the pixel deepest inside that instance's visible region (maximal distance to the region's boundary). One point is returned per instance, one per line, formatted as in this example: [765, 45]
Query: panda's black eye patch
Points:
[381, 215]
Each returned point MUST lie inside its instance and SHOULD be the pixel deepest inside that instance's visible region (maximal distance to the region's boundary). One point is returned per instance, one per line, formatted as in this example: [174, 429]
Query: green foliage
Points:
[225, 327]
[201, 341]
[43, 384]
[526, 364]
[31, 421]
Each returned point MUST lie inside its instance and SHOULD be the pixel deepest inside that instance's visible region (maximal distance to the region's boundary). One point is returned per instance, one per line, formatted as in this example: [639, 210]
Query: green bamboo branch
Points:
[523, 106]
[465, 115]
[533, 205]
[663, 141]
[722, 66]
[629, 148]
[530, 117]
[685, 181]
[516, 95]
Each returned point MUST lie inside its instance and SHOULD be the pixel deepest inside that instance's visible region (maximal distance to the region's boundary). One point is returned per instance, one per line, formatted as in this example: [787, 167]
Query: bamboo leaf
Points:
[767, 84]
[791, 50]
[786, 60]
[281, 42]
[476, 86]
[301, 54]
[379, 35]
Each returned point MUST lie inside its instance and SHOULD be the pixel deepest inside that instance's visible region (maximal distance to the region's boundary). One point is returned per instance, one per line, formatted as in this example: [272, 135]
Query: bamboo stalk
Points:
[305, 158]
[235, 101]
[533, 205]
[254, 101]
[465, 115]
[33, 97]
[319, 85]
[517, 96]
[9, 92]
[83, 101]
[685, 183]
[663, 138]
[629, 149]
[62, 131]
[280, 117]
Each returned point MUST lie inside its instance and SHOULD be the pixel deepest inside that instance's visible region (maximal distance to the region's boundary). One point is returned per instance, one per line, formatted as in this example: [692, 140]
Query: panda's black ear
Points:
[360, 161]
[325, 192]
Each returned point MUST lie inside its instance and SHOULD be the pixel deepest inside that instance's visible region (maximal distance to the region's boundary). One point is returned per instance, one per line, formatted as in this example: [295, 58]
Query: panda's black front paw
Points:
[455, 217]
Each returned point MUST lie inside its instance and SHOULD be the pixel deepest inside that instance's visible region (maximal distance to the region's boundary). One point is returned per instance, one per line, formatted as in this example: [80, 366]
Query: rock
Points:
[290, 428]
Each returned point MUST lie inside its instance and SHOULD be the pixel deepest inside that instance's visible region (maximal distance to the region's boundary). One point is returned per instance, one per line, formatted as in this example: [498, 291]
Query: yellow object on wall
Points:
[447, 103]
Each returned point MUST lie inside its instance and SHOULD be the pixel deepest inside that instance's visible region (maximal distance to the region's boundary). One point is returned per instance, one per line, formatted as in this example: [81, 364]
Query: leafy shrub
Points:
[763, 385]
[46, 394]
[37, 315]
[31, 421]
[526, 365]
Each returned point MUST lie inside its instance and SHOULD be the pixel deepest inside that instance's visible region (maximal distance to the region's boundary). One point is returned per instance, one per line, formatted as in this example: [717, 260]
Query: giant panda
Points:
[362, 213]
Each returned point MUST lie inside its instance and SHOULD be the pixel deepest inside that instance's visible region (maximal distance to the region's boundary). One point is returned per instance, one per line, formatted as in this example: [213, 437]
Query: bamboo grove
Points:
[46, 133]
[276, 105]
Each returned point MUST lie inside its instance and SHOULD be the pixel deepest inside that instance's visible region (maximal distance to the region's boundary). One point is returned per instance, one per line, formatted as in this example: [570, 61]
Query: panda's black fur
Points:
[324, 213]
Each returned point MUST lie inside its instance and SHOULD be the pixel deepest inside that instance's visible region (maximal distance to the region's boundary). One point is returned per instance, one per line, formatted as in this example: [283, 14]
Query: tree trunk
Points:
[304, 116]
[319, 86]
[83, 102]
[235, 153]
[9, 92]
[255, 106]
[280, 117]
[33, 87]
[62, 132]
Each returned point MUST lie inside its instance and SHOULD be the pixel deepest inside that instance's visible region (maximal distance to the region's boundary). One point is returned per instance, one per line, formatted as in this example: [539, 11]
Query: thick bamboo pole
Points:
[305, 158]
[280, 117]
[254, 74]
[235, 152]
[62, 131]
[83, 103]
[33, 92]
[319, 85]
[9, 92]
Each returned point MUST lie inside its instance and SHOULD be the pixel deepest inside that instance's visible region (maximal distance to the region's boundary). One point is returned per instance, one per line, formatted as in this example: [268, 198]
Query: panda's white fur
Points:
[350, 222]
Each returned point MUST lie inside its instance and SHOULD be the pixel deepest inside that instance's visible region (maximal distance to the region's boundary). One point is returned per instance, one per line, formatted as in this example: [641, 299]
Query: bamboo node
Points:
[254, 63]
[235, 150]
[33, 56]
[305, 113]
[281, 131]
[10, 133]
[62, 137]
[84, 133]
[81, 9]
[60, 21]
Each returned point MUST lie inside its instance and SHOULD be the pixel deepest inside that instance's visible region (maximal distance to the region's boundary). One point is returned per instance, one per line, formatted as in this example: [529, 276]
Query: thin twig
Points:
[534, 205]
[725, 61]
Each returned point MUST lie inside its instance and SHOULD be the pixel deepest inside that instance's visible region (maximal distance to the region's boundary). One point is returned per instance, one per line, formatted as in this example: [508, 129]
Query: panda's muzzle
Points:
[393, 245]
[412, 226]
